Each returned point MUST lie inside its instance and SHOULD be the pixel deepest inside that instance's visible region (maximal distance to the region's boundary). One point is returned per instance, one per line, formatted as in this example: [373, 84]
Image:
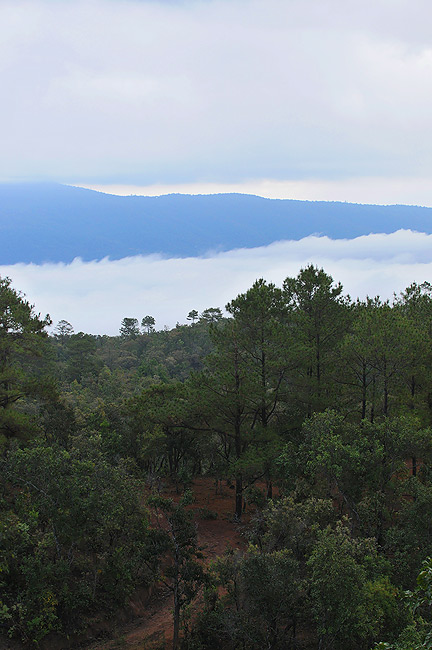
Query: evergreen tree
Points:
[322, 316]
[22, 337]
[129, 328]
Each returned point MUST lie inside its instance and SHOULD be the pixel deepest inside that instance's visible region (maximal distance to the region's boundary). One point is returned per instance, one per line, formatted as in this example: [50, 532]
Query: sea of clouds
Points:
[95, 296]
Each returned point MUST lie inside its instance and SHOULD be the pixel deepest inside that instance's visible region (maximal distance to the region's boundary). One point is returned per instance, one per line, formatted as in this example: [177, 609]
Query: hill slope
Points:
[56, 223]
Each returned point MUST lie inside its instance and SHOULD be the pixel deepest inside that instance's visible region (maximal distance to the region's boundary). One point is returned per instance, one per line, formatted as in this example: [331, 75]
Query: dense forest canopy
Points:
[315, 409]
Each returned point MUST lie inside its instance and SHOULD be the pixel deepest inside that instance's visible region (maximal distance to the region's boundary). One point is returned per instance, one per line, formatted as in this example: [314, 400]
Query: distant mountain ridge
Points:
[56, 223]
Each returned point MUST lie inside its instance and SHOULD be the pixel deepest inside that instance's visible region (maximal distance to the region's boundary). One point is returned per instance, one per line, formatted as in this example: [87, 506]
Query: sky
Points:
[330, 97]
[304, 99]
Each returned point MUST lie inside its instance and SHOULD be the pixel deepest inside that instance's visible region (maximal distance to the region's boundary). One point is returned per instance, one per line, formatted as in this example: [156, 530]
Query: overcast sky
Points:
[307, 98]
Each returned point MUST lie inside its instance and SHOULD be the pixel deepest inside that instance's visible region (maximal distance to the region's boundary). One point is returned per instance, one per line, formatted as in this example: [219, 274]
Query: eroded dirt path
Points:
[151, 625]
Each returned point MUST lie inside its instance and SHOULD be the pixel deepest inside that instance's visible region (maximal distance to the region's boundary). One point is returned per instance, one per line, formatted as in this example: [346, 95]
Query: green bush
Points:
[74, 538]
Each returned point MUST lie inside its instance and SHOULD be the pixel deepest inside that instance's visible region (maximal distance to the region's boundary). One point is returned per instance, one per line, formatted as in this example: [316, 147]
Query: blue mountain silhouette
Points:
[56, 223]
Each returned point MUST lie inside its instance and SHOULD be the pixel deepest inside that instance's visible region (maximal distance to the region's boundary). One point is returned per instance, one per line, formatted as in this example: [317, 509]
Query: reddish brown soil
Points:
[151, 625]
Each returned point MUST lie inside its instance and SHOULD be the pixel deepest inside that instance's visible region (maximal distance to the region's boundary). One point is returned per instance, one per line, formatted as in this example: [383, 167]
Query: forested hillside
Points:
[47, 222]
[314, 411]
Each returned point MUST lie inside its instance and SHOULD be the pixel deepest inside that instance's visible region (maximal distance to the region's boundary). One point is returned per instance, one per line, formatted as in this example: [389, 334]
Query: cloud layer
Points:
[150, 92]
[95, 296]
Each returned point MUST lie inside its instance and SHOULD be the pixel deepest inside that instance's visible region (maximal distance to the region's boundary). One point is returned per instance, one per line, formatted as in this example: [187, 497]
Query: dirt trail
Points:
[152, 617]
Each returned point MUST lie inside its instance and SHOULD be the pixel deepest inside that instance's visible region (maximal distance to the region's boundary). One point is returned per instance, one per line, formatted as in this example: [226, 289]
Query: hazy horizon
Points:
[392, 192]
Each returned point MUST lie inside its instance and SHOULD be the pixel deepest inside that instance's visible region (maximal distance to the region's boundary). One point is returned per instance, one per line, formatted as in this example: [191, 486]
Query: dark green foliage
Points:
[301, 575]
[261, 594]
[148, 324]
[321, 317]
[363, 465]
[81, 358]
[74, 538]
[351, 599]
[417, 635]
[381, 353]
[241, 388]
[63, 330]
[210, 315]
[184, 575]
[22, 346]
[138, 361]
[161, 431]
[298, 395]
[129, 328]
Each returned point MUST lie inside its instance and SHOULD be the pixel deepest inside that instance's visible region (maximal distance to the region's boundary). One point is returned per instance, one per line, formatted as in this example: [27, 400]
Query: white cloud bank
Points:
[95, 296]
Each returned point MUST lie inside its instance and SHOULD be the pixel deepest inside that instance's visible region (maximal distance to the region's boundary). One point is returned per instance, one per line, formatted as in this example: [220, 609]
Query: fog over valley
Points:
[95, 296]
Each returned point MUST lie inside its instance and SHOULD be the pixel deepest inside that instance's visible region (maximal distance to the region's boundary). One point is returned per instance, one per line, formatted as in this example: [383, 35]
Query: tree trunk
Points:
[372, 413]
[238, 497]
[176, 603]
[386, 395]
[364, 389]
[269, 489]
[176, 621]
